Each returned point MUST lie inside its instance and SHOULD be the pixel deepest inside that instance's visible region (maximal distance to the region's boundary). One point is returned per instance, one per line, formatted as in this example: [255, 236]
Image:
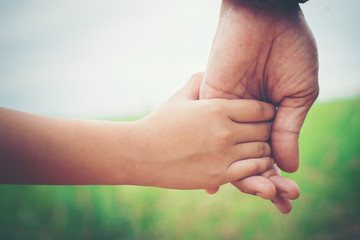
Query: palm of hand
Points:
[269, 55]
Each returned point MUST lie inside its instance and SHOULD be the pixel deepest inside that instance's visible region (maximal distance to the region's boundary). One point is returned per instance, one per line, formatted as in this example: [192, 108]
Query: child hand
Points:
[194, 144]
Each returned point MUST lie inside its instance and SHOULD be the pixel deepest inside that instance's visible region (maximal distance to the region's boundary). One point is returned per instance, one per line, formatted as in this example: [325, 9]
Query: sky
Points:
[111, 58]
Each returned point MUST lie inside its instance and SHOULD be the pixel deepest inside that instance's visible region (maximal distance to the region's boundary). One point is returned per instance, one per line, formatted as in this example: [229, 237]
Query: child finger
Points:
[245, 110]
[249, 167]
[250, 132]
[212, 190]
[251, 150]
[191, 89]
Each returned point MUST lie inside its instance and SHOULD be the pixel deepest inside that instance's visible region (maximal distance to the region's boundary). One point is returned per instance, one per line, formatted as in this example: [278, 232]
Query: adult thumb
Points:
[285, 132]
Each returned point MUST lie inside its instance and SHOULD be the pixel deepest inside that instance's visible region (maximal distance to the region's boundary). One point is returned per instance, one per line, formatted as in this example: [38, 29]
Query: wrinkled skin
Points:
[266, 52]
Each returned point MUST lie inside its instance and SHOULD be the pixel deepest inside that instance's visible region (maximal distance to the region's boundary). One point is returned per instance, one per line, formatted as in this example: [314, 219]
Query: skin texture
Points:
[266, 52]
[191, 136]
[177, 146]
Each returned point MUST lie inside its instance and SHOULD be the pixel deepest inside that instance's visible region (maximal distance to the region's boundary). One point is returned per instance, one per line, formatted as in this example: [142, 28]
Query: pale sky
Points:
[92, 59]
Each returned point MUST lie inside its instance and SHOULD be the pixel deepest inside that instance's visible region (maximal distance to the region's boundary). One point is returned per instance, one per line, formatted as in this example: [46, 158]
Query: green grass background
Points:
[329, 207]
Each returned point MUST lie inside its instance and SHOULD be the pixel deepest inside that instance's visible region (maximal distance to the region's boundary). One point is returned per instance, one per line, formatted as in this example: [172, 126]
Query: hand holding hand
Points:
[194, 144]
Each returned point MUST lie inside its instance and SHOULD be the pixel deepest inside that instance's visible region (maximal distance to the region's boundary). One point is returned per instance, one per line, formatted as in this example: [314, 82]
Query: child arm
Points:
[185, 144]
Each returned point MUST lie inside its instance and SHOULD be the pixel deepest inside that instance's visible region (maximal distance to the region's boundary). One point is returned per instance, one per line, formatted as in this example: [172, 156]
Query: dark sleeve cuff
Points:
[299, 1]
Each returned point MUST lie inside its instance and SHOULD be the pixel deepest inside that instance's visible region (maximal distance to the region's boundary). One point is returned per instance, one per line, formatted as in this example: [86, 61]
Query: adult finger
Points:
[284, 205]
[256, 185]
[264, 188]
[286, 190]
[285, 187]
[249, 167]
[285, 132]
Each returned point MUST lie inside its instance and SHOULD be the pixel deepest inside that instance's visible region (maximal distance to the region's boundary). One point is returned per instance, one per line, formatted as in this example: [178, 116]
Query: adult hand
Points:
[266, 52]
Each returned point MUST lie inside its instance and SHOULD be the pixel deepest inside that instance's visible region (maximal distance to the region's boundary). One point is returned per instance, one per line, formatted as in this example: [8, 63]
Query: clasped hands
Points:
[266, 51]
[230, 124]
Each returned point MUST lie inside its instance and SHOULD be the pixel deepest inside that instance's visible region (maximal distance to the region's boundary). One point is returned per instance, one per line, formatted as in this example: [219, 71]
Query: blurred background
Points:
[121, 59]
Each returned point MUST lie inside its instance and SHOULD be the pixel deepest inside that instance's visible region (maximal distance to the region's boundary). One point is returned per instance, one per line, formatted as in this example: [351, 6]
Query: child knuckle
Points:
[215, 176]
[266, 132]
[253, 167]
[259, 108]
[216, 107]
[225, 136]
[263, 148]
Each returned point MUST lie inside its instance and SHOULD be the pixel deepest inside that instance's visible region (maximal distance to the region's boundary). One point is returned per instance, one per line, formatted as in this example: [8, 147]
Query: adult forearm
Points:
[42, 150]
